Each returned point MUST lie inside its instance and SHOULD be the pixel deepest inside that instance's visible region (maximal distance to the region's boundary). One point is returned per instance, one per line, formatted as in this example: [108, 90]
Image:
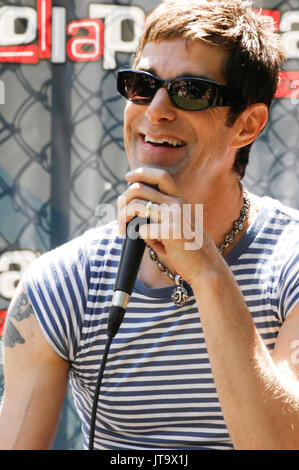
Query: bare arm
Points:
[259, 394]
[35, 381]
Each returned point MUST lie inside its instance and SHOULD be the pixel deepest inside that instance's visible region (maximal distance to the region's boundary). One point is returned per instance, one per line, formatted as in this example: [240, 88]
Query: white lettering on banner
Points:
[58, 35]
[76, 50]
[52, 29]
[290, 37]
[12, 266]
[8, 16]
[114, 15]
[44, 28]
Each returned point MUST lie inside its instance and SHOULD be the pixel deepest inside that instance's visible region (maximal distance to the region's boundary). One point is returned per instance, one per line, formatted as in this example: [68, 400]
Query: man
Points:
[217, 370]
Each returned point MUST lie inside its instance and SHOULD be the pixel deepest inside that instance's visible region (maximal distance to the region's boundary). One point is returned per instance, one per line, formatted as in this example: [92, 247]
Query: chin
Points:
[172, 170]
[178, 168]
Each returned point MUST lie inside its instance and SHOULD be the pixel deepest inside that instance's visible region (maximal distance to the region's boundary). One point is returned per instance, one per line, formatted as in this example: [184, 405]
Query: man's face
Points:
[198, 151]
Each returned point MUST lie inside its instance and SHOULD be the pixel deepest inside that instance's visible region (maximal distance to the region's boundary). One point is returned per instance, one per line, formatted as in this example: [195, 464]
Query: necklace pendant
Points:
[180, 294]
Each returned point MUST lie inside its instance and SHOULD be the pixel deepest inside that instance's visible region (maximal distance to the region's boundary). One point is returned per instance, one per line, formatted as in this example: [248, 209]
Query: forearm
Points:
[259, 403]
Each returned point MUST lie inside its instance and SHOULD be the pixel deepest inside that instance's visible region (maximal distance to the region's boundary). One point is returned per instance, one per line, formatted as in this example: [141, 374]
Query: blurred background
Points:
[62, 157]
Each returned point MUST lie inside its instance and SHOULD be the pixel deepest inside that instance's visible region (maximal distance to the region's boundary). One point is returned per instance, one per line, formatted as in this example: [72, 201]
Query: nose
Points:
[161, 108]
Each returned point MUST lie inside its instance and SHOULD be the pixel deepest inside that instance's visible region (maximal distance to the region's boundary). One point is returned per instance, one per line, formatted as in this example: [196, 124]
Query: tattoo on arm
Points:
[19, 310]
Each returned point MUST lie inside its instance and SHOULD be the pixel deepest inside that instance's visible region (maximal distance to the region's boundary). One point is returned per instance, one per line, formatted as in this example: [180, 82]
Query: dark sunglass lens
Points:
[192, 94]
[138, 87]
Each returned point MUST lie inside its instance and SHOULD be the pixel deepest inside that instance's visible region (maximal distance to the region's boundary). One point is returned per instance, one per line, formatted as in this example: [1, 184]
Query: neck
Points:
[220, 211]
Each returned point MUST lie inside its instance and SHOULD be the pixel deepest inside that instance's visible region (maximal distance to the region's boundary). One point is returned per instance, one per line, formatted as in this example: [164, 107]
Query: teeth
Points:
[173, 142]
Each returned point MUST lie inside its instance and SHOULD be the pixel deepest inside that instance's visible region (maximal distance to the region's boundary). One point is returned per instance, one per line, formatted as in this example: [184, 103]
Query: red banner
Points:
[288, 86]
[2, 321]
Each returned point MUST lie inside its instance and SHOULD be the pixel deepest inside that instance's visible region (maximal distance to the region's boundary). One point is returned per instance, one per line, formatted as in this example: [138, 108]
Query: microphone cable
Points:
[96, 394]
[133, 247]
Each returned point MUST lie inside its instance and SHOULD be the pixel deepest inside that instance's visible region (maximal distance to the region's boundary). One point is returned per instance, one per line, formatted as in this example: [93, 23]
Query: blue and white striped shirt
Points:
[158, 390]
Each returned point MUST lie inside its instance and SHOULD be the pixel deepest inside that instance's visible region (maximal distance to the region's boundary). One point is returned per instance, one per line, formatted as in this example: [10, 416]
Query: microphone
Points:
[131, 255]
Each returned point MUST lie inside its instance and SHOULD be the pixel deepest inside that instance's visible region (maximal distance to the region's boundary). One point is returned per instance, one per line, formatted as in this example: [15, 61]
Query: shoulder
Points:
[92, 239]
[281, 211]
[280, 234]
[78, 252]
[280, 221]
[102, 237]
[275, 250]
[98, 239]
[58, 284]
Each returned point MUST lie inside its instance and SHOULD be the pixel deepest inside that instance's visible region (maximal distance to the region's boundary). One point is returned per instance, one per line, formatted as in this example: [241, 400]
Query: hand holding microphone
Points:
[131, 255]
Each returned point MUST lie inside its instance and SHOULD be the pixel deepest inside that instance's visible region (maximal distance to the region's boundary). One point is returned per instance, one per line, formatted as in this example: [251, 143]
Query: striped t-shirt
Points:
[157, 391]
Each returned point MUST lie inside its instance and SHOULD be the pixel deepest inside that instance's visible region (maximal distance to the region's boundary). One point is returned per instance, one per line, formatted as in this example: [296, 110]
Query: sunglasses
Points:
[188, 93]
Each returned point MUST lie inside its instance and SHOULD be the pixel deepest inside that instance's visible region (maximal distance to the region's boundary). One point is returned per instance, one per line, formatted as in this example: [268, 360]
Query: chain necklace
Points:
[180, 294]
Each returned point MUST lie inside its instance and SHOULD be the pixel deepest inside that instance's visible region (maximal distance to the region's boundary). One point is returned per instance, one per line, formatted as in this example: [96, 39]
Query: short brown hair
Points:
[254, 50]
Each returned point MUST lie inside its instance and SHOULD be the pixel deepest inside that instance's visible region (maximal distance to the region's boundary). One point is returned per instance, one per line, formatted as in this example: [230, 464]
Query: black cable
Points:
[97, 392]
[114, 321]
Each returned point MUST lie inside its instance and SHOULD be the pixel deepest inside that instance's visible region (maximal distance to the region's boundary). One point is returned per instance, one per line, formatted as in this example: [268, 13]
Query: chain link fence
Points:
[62, 155]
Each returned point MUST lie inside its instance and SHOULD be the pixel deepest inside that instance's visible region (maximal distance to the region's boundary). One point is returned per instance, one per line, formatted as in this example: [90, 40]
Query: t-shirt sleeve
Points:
[56, 284]
[288, 292]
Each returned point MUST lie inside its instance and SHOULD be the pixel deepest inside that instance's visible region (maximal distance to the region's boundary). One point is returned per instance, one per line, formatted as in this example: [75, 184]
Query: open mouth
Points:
[163, 142]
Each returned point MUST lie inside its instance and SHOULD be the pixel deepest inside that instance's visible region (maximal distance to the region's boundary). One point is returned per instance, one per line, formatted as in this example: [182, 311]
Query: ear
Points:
[249, 125]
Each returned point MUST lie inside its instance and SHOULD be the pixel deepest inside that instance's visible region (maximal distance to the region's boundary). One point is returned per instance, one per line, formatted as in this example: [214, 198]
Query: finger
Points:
[157, 236]
[141, 191]
[156, 176]
[137, 208]
[161, 230]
